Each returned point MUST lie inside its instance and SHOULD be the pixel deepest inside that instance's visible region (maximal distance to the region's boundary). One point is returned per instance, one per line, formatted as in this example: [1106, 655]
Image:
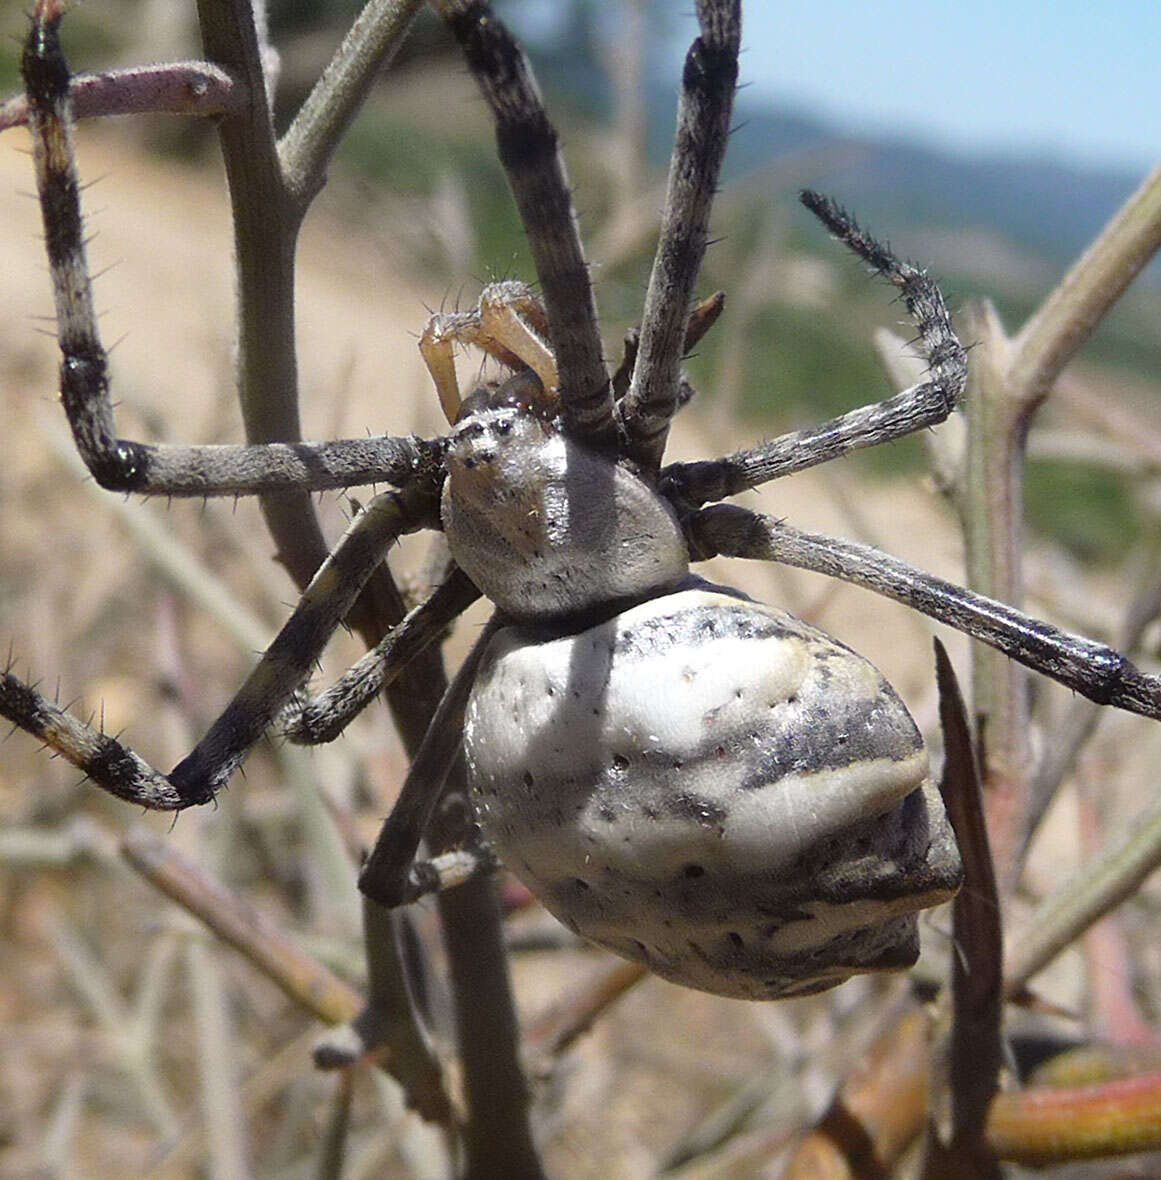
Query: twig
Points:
[389, 1020]
[975, 1051]
[1070, 735]
[322, 120]
[1069, 316]
[878, 1111]
[332, 1150]
[1056, 1125]
[573, 1015]
[234, 921]
[216, 1065]
[1113, 875]
[177, 88]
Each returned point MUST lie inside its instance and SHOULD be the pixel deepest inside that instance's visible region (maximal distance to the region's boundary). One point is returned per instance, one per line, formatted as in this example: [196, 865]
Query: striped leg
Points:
[121, 464]
[296, 649]
[1093, 669]
[527, 145]
[390, 875]
[112, 766]
[279, 674]
[923, 405]
[324, 717]
[703, 124]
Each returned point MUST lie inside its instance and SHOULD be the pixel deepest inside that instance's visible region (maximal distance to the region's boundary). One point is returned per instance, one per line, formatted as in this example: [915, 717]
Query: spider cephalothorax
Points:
[692, 779]
[549, 528]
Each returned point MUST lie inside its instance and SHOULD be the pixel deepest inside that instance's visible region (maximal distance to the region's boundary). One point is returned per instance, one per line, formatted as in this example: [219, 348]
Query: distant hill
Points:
[1051, 207]
[1045, 206]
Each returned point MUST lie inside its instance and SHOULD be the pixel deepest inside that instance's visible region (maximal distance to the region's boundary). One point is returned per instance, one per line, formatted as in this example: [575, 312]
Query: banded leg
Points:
[390, 875]
[527, 145]
[927, 404]
[122, 464]
[112, 766]
[278, 675]
[1095, 670]
[288, 661]
[703, 124]
[324, 717]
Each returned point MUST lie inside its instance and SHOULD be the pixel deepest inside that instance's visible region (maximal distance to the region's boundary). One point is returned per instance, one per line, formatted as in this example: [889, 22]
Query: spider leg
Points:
[386, 876]
[114, 767]
[923, 405]
[701, 319]
[527, 144]
[324, 717]
[697, 483]
[284, 666]
[446, 871]
[122, 464]
[1095, 670]
[703, 124]
[288, 661]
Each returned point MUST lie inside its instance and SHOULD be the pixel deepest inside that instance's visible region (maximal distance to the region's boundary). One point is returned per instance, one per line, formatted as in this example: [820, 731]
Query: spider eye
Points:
[504, 426]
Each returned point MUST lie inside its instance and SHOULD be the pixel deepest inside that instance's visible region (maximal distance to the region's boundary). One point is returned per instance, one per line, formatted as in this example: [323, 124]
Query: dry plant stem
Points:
[1067, 318]
[217, 1069]
[332, 1150]
[266, 220]
[1010, 381]
[1072, 732]
[132, 1029]
[1110, 877]
[56, 1158]
[992, 508]
[271, 1076]
[1113, 1012]
[323, 119]
[498, 1137]
[573, 1014]
[974, 1047]
[388, 1021]
[175, 88]
[300, 976]
[1057, 1125]
[726, 1135]
[876, 1114]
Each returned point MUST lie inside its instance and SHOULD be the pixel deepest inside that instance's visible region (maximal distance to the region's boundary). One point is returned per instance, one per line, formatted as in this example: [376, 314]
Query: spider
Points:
[690, 778]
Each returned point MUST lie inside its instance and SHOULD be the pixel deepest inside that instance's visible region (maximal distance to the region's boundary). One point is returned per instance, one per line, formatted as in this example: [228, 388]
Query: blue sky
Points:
[1073, 80]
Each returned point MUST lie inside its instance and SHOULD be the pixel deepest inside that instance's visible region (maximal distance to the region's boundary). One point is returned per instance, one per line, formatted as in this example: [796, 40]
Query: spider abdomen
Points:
[714, 788]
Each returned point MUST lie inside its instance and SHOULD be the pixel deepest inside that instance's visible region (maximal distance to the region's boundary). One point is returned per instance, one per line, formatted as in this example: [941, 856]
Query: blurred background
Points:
[988, 142]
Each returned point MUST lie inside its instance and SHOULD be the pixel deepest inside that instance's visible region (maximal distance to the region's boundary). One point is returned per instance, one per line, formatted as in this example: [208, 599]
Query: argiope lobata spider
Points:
[685, 776]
